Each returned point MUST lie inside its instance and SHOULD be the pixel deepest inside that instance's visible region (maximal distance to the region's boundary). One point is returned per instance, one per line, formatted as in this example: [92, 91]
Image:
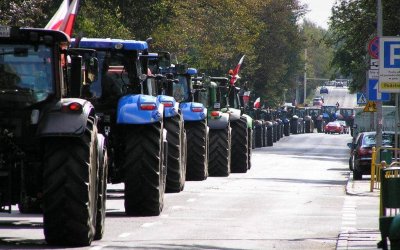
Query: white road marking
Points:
[124, 235]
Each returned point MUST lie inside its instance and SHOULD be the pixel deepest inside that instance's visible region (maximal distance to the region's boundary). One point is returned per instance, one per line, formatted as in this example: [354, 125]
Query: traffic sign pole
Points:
[379, 121]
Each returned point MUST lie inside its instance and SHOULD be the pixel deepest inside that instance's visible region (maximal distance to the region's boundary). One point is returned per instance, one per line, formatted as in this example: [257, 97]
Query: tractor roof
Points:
[32, 35]
[108, 43]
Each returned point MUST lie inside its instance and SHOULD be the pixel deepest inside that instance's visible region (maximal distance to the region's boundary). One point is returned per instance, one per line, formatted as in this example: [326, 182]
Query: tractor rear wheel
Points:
[70, 184]
[144, 170]
[258, 135]
[270, 136]
[219, 163]
[239, 161]
[101, 193]
[176, 169]
[197, 156]
[308, 127]
[249, 146]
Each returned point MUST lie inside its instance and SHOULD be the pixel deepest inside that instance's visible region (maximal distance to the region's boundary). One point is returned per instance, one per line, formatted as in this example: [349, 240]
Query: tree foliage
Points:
[211, 35]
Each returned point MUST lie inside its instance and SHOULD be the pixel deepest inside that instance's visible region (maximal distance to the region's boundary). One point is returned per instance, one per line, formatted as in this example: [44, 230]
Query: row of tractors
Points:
[270, 125]
[77, 114]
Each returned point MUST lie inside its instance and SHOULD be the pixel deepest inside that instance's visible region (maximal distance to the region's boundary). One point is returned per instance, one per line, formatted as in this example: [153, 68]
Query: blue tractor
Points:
[177, 83]
[131, 118]
[173, 121]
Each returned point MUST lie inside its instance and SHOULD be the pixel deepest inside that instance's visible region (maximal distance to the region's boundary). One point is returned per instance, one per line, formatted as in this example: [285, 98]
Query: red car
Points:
[334, 127]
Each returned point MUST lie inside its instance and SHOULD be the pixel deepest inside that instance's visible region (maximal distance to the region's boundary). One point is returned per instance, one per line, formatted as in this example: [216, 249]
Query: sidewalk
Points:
[360, 238]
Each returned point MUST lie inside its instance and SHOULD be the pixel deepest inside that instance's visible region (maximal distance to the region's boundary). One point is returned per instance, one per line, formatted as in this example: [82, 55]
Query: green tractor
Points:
[241, 124]
[205, 92]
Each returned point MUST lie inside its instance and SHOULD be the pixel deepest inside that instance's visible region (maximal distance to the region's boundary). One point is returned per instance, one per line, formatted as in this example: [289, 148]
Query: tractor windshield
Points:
[26, 74]
[119, 74]
[181, 89]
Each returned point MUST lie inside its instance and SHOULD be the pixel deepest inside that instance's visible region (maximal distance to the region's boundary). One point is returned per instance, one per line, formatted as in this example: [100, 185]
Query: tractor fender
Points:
[249, 120]
[269, 124]
[220, 122]
[60, 120]
[307, 118]
[193, 111]
[169, 110]
[234, 114]
[139, 109]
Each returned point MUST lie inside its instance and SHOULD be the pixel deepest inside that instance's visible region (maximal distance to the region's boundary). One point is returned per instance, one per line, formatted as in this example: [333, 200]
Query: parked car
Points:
[323, 90]
[334, 127]
[361, 151]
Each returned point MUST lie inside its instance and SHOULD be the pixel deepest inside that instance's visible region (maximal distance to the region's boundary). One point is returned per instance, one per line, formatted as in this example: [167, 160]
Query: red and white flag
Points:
[257, 103]
[64, 18]
[69, 20]
[235, 74]
[57, 20]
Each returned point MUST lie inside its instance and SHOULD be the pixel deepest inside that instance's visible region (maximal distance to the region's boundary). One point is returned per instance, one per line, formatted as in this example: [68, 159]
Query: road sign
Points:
[374, 64]
[361, 99]
[374, 94]
[373, 48]
[389, 65]
[370, 107]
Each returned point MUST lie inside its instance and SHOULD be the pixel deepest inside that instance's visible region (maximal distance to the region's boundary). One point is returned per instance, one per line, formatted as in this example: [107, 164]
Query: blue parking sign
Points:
[391, 54]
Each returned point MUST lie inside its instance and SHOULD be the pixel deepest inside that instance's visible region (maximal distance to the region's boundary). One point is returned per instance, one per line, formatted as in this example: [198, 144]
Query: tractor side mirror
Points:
[91, 70]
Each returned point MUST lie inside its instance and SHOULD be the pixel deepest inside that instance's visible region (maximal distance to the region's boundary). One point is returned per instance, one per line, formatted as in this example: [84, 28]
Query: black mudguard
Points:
[59, 121]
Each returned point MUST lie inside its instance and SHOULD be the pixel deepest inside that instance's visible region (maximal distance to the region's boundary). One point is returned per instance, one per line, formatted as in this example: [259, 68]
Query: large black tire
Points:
[258, 136]
[308, 126]
[219, 163]
[275, 133]
[270, 136]
[294, 127]
[176, 169]
[249, 146]
[286, 129]
[264, 134]
[101, 193]
[145, 172]
[253, 140]
[357, 175]
[69, 197]
[197, 156]
[239, 161]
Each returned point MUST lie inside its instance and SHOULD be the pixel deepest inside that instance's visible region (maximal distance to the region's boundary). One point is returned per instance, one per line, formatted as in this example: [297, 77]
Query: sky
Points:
[319, 11]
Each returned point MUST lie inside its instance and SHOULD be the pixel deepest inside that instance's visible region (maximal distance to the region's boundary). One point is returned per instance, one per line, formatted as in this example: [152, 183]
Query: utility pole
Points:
[305, 76]
[379, 120]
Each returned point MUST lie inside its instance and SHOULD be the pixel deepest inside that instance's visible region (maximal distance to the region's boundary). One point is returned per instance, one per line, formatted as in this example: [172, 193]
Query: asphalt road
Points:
[292, 198]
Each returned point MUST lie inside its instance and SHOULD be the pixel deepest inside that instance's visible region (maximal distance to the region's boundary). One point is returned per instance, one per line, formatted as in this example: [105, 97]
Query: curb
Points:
[366, 238]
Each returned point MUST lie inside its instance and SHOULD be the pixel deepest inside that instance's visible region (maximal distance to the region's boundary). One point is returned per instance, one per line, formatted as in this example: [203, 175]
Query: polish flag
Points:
[246, 97]
[69, 20]
[257, 103]
[58, 18]
[235, 73]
